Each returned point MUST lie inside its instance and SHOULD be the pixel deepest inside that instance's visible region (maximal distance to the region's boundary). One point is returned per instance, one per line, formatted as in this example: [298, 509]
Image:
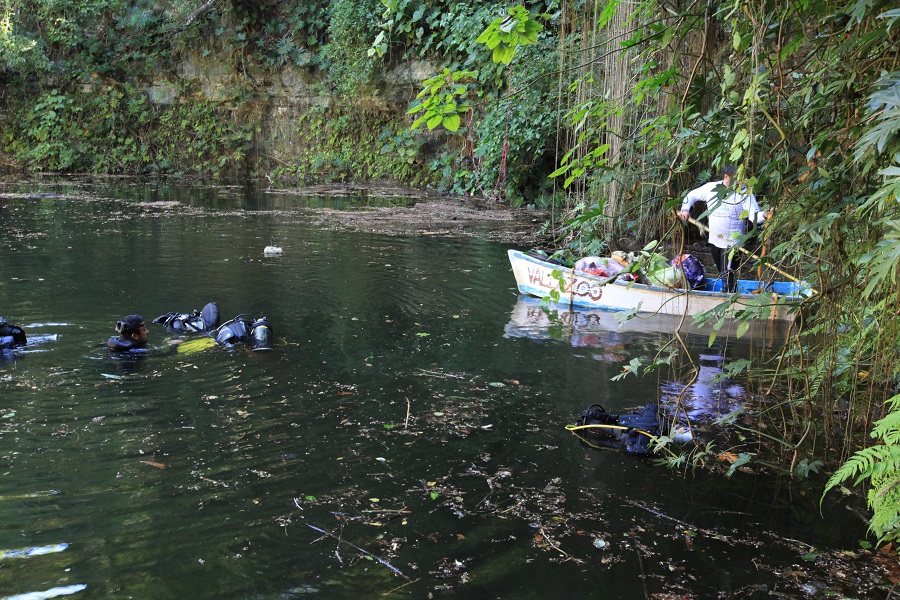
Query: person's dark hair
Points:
[130, 324]
[729, 170]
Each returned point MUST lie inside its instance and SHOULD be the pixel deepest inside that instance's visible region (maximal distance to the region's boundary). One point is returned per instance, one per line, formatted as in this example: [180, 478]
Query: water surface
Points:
[407, 411]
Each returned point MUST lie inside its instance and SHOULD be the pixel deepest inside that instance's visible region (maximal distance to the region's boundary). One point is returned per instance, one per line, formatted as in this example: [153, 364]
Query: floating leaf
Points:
[389, 425]
[375, 500]
[438, 414]
[310, 498]
[497, 384]
[742, 459]
[434, 495]
[728, 457]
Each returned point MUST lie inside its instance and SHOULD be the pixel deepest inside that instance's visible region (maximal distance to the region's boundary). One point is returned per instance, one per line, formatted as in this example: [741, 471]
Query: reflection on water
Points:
[580, 328]
[396, 413]
[709, 397]
[534, 319]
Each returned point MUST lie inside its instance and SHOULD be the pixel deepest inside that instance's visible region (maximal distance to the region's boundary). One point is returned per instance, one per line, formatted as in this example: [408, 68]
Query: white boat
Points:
[536, 276]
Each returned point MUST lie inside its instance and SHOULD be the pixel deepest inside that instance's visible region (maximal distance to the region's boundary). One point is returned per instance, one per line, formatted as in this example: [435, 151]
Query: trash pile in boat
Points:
[653, 269]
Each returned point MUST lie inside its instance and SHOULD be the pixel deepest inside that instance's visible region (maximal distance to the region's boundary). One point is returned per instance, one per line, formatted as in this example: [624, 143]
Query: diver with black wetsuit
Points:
[133, 334]
[11, 336]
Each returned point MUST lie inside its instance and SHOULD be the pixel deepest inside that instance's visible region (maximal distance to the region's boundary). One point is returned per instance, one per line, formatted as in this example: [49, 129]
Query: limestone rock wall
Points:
[277, 100]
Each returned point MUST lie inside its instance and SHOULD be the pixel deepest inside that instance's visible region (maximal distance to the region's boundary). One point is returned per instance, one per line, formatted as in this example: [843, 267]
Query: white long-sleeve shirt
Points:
[725, 223]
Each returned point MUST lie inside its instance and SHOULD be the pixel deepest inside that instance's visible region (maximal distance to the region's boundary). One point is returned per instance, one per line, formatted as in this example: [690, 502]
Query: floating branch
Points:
[384, 562]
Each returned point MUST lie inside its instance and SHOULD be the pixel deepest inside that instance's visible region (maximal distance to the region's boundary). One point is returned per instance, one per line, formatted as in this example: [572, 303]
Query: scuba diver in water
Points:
[14, 343]
[242, 330]
[11, 336]
[133, 335]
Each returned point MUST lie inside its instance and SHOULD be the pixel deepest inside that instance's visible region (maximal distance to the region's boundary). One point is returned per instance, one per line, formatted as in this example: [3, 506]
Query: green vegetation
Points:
[802, 98]
[339, 137]
[106, 128]
[350, 70]
[605, 112]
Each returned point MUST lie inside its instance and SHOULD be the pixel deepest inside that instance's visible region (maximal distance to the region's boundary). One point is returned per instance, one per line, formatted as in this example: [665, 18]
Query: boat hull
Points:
[535, 277]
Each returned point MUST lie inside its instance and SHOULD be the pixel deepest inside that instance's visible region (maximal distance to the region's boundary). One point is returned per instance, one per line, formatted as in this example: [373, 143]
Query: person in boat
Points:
[11, 336]
[725, 205]
[133, 335]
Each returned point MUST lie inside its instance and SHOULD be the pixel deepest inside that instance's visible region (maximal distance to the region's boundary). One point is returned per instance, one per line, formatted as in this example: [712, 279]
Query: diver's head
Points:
[133, 328]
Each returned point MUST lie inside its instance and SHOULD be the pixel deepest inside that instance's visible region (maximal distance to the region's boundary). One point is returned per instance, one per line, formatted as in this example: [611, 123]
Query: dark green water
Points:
[407, 410]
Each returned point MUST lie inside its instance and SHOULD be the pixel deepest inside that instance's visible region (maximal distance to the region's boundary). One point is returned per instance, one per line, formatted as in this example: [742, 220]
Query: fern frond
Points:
[863, 464]
[884, 500]
[881, 465]
[888, 427]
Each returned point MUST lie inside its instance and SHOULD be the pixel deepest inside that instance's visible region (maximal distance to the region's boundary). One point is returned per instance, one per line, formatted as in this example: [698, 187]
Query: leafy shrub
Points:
[111, 129]
[350, 32]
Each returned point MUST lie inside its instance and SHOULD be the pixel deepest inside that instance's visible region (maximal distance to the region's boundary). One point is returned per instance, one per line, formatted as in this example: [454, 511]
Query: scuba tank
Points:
[243, 330]
[261, 336]
[197, 321]
[233, 332]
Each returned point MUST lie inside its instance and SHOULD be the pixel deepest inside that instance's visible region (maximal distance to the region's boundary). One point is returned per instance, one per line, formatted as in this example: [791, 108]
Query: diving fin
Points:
[196, 345]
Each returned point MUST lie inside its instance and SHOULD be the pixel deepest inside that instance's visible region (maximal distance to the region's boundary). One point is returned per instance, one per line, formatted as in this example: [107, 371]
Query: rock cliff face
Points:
[278, 100]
